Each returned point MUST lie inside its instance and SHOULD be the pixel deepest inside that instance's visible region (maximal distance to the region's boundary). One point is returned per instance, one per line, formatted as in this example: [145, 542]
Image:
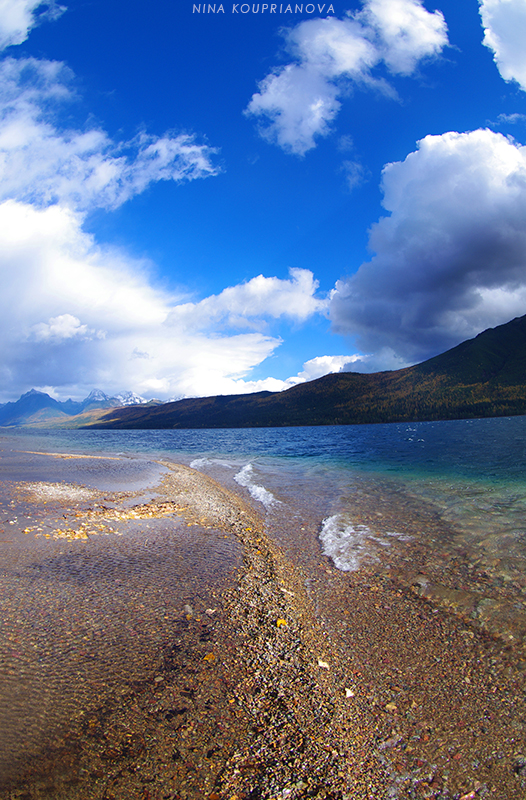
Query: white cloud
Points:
[323, 365]
[384, 359]
[17, 17]
[450, 259]
[504, 24]
[76, 315]
[404, 32]
[250, 303]
[298, 102]
[60, 329]
[512, 119]
[43, 163]
[313, 368]
[355, 173]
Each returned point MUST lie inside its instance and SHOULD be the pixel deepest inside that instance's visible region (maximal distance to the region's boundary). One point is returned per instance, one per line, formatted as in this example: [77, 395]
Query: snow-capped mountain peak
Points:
[130, 398]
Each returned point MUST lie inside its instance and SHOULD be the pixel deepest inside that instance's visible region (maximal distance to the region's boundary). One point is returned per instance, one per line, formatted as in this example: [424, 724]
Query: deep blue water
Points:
[487, 449]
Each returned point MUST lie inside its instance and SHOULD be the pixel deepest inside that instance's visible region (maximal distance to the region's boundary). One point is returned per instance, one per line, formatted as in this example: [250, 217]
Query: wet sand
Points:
[157, 642]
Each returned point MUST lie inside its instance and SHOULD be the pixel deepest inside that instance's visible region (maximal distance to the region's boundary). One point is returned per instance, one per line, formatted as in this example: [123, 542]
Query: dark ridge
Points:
[482, 377]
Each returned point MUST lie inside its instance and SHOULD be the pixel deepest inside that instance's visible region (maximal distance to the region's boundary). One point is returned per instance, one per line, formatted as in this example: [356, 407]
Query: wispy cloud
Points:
[511, 119]
[297, 103]
[43, 162]
[449, 258]
[17, 17]
[355, 173]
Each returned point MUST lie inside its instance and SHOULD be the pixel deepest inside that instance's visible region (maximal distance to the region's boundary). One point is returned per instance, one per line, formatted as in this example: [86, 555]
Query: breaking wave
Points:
[198, 463]
[245, 478]
[350, 545]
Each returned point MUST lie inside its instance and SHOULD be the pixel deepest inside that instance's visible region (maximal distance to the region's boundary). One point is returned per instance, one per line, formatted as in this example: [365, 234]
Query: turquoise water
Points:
[426, 493]
[487, 449]
[461, 483]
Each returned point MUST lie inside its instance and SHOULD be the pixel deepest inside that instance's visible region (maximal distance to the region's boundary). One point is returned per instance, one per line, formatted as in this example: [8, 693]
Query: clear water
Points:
[373, 491]
[439, 503]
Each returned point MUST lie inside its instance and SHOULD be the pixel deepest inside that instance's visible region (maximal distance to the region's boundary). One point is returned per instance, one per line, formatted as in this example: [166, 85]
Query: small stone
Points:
[392, 708]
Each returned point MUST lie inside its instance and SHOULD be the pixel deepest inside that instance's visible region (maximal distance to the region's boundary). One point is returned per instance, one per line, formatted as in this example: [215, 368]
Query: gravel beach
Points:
[158, 642]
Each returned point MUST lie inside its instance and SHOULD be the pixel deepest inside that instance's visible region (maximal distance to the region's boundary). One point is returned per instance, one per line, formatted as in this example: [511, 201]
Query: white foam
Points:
[198, 463]
[350, 545]
[244, 478]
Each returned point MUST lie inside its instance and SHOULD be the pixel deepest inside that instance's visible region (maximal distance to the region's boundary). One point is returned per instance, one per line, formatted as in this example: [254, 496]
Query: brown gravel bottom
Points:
[356, 689]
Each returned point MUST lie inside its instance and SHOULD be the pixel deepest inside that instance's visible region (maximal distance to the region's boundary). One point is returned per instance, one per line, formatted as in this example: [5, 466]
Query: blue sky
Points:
[198, 203]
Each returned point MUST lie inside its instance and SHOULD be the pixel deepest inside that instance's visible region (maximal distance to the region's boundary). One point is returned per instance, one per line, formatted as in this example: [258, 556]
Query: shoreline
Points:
[301, 681]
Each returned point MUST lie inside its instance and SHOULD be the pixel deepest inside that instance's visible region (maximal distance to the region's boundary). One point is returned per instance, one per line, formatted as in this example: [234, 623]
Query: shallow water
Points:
[88, 604]
[374, 490]
[439, 505]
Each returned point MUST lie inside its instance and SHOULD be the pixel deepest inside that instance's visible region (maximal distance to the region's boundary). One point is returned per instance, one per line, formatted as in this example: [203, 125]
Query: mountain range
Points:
[36, 407]
[481, 377]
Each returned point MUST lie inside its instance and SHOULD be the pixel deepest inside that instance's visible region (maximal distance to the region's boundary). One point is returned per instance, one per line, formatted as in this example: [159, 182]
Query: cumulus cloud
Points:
[248, 304]
[504, 24]
[60, 329]
[450, 259]
[76, 315]
[17, 17]
[323, 365]
[42, 162]
[298, 102]
[313, 368]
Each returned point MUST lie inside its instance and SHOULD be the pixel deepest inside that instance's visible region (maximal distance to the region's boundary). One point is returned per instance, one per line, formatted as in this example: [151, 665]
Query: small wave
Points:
[349, 545]
[198, 463]
[244, 478]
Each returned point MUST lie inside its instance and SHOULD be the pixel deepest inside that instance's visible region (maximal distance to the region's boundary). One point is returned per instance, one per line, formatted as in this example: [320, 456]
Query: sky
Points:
[221, 198]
